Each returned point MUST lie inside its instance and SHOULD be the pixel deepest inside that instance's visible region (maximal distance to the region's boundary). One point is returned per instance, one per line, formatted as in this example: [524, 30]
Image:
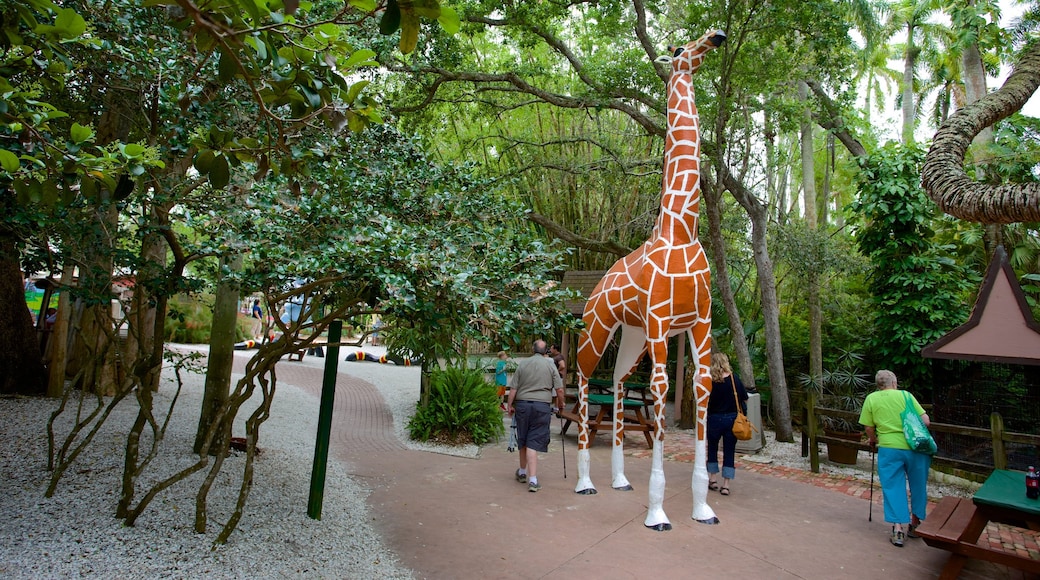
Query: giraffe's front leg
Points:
[655, 516]
[617, 450]
[584, 485]
[702, 512]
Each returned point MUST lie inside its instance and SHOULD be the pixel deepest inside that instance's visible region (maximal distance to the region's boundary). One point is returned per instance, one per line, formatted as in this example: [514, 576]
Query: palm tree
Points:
[912, 17]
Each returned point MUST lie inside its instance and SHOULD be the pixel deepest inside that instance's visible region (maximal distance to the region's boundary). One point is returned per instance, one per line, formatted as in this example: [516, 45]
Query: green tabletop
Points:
[595, 399]
[1007, 489]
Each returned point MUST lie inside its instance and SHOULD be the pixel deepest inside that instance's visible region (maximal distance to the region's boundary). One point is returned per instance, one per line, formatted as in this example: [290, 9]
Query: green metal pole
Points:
[321, 443]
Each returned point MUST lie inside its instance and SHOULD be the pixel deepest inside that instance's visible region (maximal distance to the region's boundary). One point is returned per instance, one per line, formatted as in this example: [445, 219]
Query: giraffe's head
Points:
[687, 58]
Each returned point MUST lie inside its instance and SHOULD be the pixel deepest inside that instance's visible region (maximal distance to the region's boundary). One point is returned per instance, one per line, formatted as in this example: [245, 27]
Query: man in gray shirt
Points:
[531, 391]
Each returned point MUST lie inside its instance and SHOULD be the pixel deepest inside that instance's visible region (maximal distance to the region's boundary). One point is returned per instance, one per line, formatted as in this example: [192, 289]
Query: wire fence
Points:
[968, 393]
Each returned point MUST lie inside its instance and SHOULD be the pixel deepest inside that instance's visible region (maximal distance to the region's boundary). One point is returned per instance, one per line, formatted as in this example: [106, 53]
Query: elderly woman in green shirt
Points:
[897, 464]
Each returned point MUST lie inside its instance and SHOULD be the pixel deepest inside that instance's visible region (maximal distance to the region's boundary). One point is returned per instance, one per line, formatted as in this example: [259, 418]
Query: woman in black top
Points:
[722, 410]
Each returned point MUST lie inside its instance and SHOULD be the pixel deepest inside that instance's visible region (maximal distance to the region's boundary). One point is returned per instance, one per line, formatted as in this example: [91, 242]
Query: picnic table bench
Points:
[957, 523]
[316, 348]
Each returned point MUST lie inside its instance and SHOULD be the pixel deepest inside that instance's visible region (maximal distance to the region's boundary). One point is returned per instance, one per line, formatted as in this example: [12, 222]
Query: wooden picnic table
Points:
[635, 418]
[957, 523]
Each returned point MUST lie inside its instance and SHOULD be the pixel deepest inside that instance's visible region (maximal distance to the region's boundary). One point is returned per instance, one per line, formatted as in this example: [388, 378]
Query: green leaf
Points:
[204, 160]
[88, 188]
[449, 20]
[9, 161]
[313, 98]
[220, 173]
[79, 133]
[133, 150]
[391, 19]
[261, 49]
[355, 122]
[50, 192]
[359, 57]
[227, 67]
[329, 30]
[70, 24]
[364, 5]
[355, 90]
[409, 32]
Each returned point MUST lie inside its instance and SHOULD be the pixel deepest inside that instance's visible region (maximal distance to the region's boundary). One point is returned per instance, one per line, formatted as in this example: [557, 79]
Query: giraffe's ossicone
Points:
[658, 291]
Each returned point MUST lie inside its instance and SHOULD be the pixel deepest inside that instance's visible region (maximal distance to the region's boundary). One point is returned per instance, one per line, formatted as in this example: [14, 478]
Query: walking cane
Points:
[870, 513]
[562, 452]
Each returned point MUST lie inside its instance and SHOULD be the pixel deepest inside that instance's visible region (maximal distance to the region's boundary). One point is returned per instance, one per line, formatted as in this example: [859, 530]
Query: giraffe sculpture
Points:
[658, 291]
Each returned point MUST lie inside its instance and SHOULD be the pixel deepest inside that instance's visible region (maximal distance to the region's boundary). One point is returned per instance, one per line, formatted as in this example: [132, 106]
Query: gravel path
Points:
[74, 533]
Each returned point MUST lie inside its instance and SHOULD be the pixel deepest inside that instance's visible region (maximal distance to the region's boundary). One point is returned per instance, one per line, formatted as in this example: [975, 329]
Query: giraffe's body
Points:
[658, 291]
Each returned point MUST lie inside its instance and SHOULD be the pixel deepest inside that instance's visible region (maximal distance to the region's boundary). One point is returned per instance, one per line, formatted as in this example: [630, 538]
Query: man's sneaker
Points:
[910, 533]
[897, 538]
[534, 487]
[521, 477]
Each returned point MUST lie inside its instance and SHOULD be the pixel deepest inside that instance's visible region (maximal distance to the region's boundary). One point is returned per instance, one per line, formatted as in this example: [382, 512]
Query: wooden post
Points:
[321, 443]
[996, 423]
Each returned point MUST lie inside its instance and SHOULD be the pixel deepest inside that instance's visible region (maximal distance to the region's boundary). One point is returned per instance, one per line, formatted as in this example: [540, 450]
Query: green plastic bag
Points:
[917, 435]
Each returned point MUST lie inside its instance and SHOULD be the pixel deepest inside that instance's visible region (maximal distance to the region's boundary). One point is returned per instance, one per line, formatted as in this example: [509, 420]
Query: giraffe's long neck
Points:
[681, 189]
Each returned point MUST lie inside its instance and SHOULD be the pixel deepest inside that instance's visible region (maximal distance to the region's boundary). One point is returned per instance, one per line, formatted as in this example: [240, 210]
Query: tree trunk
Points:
[810, 201]
[221, 357]
[943, 174]
[974, 89]
[720, 276]
[907, 86]
[141, 320]
[21, 363]
[759, 215]
[58, 349]
[808, 159]
[92, 354]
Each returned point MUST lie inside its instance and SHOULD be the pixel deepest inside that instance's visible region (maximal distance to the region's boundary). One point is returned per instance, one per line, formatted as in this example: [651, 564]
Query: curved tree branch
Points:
[943, 175]
[834, 121]
[570, 237]
[513, 83]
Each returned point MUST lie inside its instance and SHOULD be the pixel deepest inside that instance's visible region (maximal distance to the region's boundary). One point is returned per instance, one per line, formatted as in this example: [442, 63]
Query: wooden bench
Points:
[955, 525]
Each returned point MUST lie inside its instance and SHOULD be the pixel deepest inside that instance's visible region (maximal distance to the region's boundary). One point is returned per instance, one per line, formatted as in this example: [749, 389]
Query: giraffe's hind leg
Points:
[633, 344]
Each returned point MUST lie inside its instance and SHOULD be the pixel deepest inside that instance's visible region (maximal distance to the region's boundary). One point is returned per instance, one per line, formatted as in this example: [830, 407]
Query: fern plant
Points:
[463, 408]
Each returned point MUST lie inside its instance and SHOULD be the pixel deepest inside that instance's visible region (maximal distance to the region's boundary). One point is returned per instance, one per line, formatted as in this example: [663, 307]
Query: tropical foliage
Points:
[919, 293]
[463, 408]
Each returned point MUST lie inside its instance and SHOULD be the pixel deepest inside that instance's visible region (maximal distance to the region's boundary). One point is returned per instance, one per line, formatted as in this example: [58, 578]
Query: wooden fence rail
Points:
[996, 435]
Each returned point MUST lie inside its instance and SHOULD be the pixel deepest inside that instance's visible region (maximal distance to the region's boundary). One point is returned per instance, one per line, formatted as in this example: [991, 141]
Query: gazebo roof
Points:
[1001, 328]
[583, 281]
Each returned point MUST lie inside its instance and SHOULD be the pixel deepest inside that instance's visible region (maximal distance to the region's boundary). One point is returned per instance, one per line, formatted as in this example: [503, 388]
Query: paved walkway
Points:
[451, 517]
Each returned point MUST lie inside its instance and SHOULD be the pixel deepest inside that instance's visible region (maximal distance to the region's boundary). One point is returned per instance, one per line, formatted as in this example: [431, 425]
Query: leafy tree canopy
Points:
[433, 249]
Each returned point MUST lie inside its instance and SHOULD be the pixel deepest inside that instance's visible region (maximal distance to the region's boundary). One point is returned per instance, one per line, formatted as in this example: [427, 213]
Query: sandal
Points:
[713, 485]
[724, 491]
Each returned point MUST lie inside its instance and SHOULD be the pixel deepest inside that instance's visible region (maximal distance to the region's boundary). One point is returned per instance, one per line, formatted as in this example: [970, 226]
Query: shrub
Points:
[191, 320]
[463, 408]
